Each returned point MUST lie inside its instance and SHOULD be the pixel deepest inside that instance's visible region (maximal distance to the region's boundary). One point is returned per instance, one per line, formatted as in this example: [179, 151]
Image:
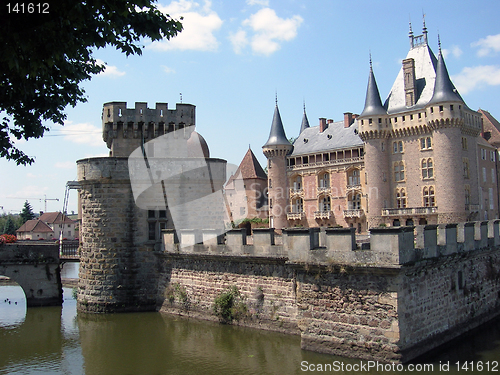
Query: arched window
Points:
[401, 198]
[297, 205]
[324, 180]
[427, 168]
[353, 177]
[297, 183]
[354, 201]
[399, 171]
[325, 204]
[428, 194]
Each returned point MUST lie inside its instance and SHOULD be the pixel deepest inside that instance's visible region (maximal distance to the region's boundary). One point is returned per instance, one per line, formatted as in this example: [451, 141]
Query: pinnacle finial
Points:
[181, 96]
[439, 44]
[371, 64]
[276, 97]
[304, 106]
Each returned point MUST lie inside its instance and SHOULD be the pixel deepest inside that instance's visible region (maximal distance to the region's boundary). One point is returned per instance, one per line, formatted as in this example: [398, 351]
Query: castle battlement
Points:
[124, 129]
[394, 246]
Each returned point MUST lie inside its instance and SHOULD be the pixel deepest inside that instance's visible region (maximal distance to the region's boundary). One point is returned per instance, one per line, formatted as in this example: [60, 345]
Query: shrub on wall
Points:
[230, 305]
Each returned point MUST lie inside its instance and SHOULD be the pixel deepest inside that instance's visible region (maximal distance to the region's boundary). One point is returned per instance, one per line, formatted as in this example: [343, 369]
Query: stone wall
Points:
[35, 267]
[406, 292]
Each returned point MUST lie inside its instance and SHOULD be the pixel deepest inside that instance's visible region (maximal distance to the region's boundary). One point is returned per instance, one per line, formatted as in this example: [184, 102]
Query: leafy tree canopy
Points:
[45, 56]
[9, 226]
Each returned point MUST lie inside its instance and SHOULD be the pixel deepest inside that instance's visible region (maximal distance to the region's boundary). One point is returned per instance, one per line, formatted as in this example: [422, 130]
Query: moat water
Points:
[55, 340]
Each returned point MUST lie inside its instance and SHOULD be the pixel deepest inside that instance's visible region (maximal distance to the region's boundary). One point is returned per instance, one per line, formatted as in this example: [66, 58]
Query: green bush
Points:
[229, 305]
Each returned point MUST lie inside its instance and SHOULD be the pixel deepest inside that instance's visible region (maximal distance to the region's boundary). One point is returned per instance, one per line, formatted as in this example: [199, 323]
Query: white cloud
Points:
[476, 77]
[239, 40]
[109, 70]
[454, 50]
[65, 165]
[487, 45]
[199, 24]
[264, 3]
[167, 70]
[270, 30]
[30, 192]
[83, 133]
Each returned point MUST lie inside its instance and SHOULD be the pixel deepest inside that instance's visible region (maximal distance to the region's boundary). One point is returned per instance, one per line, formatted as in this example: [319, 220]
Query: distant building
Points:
[419, 158]
[50, 225]
[246, 190]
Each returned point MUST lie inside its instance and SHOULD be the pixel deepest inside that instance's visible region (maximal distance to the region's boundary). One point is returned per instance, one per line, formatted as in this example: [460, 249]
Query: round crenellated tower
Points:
[128, 198]
[276, 150]
[373, 130]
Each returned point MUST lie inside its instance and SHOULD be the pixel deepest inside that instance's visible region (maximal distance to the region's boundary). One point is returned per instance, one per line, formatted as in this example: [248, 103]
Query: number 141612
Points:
[28, 8]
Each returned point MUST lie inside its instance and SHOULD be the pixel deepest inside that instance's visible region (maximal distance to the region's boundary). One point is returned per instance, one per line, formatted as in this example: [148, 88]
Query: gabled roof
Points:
[55, 218]
[249, 168]
[491, 125]
[277, 136]
[35, 226]
[335, 136]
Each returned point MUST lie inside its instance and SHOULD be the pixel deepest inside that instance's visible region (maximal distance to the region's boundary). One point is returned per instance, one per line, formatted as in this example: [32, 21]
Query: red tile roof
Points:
[35, 226]
[55, 218]
[249, 168]
[491, 125]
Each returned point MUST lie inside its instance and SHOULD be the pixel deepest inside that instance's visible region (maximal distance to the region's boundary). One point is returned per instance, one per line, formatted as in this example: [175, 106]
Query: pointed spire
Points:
[305, 121]
[444, 90]
[424, 29]
[373, 104]
[277, 134]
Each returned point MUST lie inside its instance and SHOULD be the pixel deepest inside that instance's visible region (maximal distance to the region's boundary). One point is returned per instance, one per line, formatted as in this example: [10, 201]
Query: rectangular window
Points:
[493, 176]
[152, 231]
[492, 155]
[490, 191]
[484, 174]
[483, 154]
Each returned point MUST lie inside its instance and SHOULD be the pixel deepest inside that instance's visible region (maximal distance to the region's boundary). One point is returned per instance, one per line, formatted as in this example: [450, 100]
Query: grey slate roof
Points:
[305, 122]
[444, 90]
[425, 76]
[336, 136]
[277, 134]
[373, 104]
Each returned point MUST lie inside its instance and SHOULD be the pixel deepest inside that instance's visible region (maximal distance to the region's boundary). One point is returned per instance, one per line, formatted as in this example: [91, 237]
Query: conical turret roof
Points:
[373, 104]
[277, 134]
[444, 90]
[305, 122]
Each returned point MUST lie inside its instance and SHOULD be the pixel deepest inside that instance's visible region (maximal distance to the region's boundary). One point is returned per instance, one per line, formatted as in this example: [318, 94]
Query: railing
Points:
[325, 163]
[323, 190]
[323, 214]
[409, 211]
[69, 249]
[354, 213]
[295, 191]
[295, 215]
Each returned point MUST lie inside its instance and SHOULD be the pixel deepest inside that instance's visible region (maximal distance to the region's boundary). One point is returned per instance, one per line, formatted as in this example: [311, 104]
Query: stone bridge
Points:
[35, 267]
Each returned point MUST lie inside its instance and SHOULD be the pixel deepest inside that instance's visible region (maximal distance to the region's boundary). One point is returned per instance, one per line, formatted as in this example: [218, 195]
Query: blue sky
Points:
[234, 56]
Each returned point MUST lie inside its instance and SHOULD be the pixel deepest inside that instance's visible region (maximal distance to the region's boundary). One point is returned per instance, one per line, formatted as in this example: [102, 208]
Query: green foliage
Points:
[27, 213]
[230, 305]
[176, 292]
[4, 223]
[45, 56]
[9, 226]
[254, 220]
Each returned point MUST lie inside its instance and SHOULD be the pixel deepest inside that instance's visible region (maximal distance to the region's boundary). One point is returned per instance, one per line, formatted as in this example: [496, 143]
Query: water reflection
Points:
[54, 340]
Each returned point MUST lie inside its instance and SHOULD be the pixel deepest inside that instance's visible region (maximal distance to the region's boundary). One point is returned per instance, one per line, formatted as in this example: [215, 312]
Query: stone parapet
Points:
[392, 246]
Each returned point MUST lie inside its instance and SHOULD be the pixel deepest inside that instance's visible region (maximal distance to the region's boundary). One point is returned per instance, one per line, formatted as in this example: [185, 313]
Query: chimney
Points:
[348, 119]
[409, 82]
[322, 124]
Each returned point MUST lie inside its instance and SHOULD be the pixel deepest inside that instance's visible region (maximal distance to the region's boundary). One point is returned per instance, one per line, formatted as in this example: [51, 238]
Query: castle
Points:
[417, 159]
[155, 234]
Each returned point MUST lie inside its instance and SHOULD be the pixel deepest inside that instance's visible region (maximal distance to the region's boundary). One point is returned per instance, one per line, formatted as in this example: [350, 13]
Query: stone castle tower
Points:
[125, 202]
[420, 146]
[276, 150]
